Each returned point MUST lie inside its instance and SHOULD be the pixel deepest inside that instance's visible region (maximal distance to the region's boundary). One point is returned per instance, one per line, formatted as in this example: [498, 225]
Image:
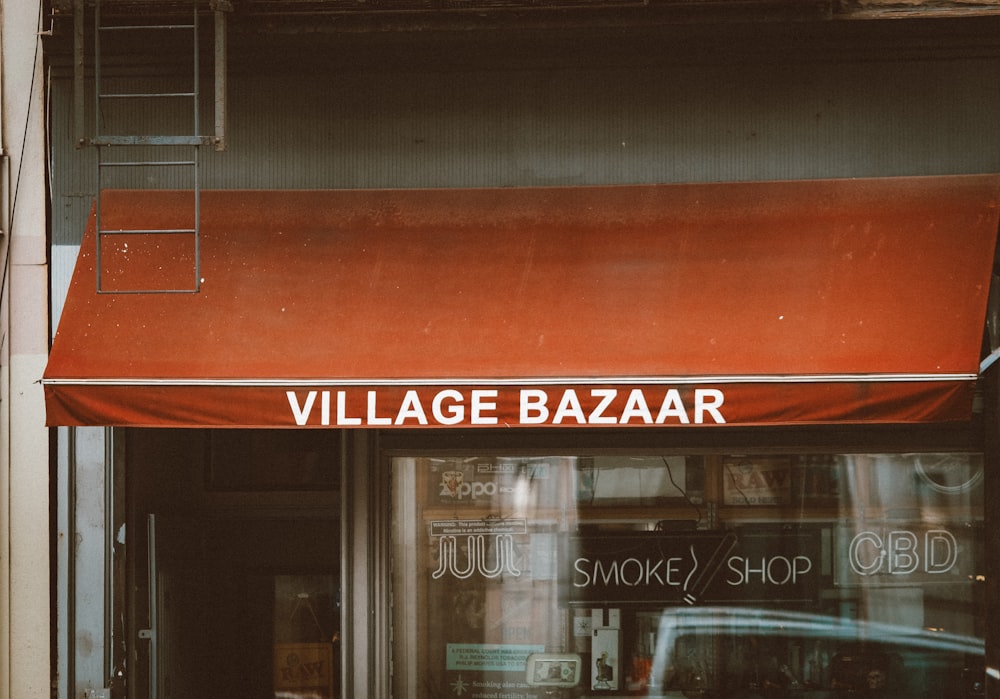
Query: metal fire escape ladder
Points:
[135, 157]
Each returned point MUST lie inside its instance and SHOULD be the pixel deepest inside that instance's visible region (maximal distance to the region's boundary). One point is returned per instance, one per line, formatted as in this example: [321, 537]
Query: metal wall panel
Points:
[715, 121]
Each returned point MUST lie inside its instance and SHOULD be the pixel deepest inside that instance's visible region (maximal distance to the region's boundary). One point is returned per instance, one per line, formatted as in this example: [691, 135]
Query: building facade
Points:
[421, 350]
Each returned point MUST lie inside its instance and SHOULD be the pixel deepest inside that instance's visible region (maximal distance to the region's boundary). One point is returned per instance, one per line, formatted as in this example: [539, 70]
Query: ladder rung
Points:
[150, 140]
[149, 163]
[127, 27]
[143, 95]
[149, 231]
[192, 290]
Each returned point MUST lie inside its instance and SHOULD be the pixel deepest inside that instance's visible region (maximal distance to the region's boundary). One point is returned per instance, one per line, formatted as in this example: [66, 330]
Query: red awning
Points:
[810, 302]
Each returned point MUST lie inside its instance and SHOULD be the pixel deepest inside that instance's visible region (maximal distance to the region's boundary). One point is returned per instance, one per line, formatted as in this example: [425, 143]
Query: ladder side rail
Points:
[98, 227]
[196, 78]
[97, 73]
[196, 151]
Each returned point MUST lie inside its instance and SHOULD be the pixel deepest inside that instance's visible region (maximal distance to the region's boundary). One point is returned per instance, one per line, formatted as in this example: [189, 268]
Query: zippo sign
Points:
[691, 568]
[905, 554]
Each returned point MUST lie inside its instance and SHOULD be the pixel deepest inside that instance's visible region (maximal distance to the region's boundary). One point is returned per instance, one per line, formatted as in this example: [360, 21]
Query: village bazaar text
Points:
[534, 406]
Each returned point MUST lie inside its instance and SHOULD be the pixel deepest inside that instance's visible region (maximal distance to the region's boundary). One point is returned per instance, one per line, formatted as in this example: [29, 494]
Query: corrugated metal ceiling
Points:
[291, 7]
[279, 16]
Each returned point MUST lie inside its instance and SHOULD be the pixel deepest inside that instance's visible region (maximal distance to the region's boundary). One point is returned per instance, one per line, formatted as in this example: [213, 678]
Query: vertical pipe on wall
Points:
[220, 77]
[78, 74]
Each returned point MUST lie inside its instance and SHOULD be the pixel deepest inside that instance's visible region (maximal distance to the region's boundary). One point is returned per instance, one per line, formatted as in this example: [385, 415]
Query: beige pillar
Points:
[24, 465]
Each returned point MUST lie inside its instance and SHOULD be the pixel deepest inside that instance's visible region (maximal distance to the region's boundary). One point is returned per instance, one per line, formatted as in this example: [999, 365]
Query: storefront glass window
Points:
[730, 575]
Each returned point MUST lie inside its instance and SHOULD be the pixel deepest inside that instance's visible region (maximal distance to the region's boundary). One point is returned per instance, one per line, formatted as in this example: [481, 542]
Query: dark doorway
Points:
[235, 590]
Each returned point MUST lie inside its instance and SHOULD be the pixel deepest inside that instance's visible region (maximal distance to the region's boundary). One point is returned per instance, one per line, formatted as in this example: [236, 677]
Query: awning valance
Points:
[808, 302]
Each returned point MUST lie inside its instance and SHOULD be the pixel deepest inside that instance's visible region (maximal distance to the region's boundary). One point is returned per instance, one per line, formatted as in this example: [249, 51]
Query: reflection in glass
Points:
[730, 575]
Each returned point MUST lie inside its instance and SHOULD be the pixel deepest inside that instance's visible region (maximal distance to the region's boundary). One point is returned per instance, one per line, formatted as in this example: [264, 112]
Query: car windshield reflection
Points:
[750, 653]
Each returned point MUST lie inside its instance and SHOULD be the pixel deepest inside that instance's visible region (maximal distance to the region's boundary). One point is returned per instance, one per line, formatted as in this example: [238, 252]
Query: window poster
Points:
[304, 670]
[755, 480]
[492, 603]
[306, 625]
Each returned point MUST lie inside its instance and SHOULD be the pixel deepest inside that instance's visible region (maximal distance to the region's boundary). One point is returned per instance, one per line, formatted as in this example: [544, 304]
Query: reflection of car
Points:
[749, 653]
